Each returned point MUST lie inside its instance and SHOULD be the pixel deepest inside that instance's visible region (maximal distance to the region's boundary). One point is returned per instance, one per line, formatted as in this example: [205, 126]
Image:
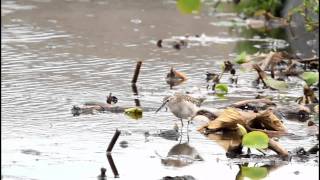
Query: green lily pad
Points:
[221, 89]
[310, 77]
[254, 172]
[134, 113]
[189, 6]
[256, 140]
[275, 84]
[241, 58]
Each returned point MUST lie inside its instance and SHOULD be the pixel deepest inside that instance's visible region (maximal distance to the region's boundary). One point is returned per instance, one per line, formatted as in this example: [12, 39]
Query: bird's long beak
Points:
[163, 104]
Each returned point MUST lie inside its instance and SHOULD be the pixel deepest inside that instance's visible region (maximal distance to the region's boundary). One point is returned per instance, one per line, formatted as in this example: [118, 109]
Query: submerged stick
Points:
[135, 92]
[136, 72]
[113, 141]
[276, 147]
[113, 166]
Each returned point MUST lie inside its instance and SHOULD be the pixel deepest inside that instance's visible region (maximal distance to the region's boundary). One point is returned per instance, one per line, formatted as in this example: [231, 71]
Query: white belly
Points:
[183, 110]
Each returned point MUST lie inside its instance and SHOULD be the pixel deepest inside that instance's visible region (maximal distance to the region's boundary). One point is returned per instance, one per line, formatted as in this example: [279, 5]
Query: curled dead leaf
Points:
[228, 119]
[267, 120]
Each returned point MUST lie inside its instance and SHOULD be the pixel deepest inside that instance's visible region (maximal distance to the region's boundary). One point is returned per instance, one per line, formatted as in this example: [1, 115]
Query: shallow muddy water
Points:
[56, 54]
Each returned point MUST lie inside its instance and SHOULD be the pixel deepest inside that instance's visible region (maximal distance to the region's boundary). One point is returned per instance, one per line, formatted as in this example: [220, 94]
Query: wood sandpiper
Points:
[182, 106]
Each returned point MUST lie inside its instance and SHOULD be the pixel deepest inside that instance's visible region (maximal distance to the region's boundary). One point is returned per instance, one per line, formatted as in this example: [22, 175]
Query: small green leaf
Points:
[134, 113]
[221, 89]
[310, 77]
[188, 6]
[254, 172]
[242, 129]
[241, 58]
[255, 139]
[275, 84]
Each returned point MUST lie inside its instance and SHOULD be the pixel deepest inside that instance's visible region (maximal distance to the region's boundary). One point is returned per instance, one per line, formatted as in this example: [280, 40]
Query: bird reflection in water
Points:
[181, 155]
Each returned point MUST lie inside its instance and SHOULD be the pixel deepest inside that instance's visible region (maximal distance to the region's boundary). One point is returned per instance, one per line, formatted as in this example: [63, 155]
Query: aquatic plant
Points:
[134, 113]
[250, 7]
[310, 77]
[241, 58]
[253, 139]
[189, 6]
[309, 10]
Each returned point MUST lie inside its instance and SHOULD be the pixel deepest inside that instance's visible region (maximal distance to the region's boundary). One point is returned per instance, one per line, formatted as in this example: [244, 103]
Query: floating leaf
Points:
[189, 6]
[228, 119]
[310, 77]
[254, 172]
[221, 89]
[241, 58]
[255, 139]
[134, 113]
[242, 129]
[275, 84]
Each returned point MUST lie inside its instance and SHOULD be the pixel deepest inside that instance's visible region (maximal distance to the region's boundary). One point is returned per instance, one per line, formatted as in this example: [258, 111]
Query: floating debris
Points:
[102, 175]
[172, 134]
[134, 112]
[124, 144]
[175, 78]
[185, 177]
[111, 99]
[31, 152]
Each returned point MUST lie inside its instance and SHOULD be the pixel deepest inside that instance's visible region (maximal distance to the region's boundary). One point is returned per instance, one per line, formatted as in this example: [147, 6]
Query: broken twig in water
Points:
[136, 72]
[113, 166]
[277, 147]
[113, 141]
[110, 160]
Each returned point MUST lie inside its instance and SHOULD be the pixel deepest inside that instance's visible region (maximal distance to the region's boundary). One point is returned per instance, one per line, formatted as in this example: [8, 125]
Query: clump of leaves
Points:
[189, 6]
[134, 113]
[276, 84]
[221, 89]
[250, 7]
[270, 82]
[309, 10]
[253, 139]
[241, 58]
[310, 77]
[256, 140]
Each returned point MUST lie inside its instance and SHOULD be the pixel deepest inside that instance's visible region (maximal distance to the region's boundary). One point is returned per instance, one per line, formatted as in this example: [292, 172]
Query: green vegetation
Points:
[134, 113]
[241, 58]
[310, 77]
[250, 7]
[254, 172]
[256, 140]
[221, 89]
[309, 10]
[189, 6]
[276, 84]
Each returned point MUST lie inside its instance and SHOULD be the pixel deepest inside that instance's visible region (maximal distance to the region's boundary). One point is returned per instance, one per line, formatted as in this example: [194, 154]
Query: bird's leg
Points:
[188, 125]
[188, 136]
[181, 128]
[181, 122]
[188, 130]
